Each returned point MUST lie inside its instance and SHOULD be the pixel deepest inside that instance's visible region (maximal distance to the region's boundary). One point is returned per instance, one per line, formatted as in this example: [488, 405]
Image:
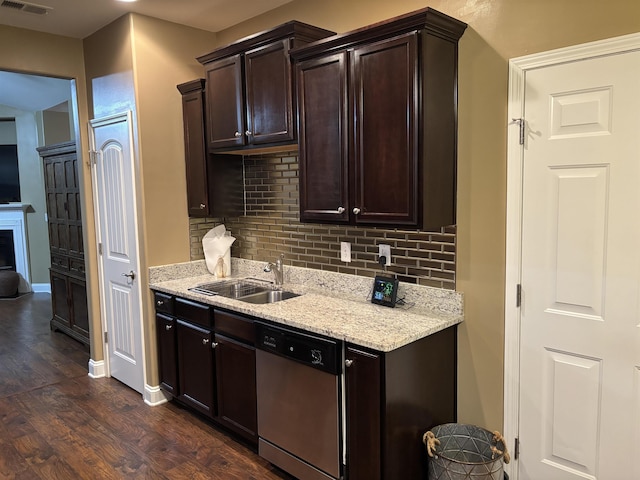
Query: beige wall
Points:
[164, 55]
[498, 30]
[57, 127]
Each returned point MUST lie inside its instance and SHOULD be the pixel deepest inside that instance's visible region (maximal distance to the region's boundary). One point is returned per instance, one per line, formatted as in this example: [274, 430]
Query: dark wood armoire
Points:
[64, 217]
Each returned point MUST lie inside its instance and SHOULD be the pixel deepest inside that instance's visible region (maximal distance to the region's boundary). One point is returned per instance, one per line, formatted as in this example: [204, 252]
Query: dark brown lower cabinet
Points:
[196, 367]
[392, 399]
[362, 382]
[236, 381]
[167, 353]
[207, 361]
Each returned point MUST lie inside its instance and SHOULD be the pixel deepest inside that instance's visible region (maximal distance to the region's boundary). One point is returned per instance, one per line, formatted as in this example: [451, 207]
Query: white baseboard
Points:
[41, 287]
[97, 369]
[154, 396]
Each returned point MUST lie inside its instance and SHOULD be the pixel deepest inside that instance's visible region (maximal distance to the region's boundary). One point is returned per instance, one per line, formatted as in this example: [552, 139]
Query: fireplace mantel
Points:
[13, 216]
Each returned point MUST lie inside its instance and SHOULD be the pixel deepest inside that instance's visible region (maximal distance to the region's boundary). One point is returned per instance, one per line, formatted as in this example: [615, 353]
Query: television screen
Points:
[9, 177]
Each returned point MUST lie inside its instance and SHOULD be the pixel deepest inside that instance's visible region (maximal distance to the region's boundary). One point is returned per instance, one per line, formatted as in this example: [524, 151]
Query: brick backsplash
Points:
[271, 226]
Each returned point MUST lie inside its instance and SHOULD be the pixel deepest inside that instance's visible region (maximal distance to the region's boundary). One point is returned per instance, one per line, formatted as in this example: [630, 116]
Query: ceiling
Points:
[81, 18]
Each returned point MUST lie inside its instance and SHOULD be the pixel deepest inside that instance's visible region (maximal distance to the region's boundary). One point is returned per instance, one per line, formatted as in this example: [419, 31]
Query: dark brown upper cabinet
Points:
[377, 112]
[195, 147]
[250, 94]
[213, 180]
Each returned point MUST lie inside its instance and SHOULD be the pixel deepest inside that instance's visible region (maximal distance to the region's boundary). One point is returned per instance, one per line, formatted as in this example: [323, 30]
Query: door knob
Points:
[131, 275]
[205, 341]
[340, 209]
[237, 134]
[356, 210]
[168, 327]
[202, 205]
[348, 362]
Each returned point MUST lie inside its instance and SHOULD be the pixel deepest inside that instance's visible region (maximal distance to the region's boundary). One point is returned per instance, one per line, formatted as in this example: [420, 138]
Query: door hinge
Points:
[106, 337]
[516, 448]
[92, 157]
[521, 125]
[100, 248]
[518, 295]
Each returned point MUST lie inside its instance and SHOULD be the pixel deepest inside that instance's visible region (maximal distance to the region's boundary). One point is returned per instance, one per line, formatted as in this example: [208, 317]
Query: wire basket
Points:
[463, 452]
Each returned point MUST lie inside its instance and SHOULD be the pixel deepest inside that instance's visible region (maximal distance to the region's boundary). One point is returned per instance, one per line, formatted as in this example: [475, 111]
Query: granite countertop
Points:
[331, 304]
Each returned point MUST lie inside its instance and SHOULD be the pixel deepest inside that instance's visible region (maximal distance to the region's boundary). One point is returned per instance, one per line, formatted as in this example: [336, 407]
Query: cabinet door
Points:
[364, 410]
[225, 103]
[324, 141]
[60, 299]
[195, 367]
[167, 353]
[78, 303]
[236, 382]
[386, 166]
[195, 153]
[269, 102]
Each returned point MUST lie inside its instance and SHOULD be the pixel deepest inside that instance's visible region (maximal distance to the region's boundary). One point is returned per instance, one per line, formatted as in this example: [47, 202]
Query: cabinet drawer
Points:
[59, 262]
[235, 326]
[193, 312]
[76, 266]
[163, 303]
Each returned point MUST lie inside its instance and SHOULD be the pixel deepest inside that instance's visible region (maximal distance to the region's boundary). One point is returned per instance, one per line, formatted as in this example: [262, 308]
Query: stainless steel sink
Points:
[268, 296]
[244, 290]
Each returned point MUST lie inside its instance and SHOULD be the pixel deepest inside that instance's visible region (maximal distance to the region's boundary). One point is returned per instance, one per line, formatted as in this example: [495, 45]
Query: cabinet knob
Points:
[202, 206]
[348, 362]
[205, 341]
[356, 210]
[168, 327]
[214, 344]
[340, 209]
[248, 133]
[237, 134]
[160, 303]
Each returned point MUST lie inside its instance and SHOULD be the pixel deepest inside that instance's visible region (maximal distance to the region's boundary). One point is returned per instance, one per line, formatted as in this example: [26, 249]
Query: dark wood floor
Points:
[57, 423]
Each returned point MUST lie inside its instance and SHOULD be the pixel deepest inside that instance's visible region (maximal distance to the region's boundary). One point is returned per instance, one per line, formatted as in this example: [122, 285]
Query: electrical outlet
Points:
[385, 251]
[345, 252]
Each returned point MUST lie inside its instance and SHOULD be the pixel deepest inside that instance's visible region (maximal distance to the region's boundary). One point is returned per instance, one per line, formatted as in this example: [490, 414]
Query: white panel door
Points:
[580, 321]
[116, 211]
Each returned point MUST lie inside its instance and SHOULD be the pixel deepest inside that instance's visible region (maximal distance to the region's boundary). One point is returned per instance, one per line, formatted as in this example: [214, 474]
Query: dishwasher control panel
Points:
[317, 352]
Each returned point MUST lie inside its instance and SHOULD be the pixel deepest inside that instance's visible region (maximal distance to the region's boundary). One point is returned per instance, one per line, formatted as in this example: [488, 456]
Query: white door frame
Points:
[518, 68]
[115, 118]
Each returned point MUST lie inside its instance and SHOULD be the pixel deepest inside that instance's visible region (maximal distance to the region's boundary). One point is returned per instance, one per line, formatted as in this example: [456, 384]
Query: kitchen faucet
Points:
[278, 271]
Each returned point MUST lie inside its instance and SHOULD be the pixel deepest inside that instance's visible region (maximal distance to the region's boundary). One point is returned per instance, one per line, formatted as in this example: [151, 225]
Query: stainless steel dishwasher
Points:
[299, 392]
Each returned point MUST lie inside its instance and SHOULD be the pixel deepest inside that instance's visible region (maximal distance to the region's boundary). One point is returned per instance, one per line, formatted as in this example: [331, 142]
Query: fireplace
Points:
[13, 225]
[7, 251]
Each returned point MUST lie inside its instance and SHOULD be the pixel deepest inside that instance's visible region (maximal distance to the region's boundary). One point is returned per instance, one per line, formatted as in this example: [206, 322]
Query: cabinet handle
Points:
[202, 206]
[356, 210]
[348, 362]
[168, 327]
[160, 303]
[205, 341]
[340, 209]
[248, 133]
[237, 134]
